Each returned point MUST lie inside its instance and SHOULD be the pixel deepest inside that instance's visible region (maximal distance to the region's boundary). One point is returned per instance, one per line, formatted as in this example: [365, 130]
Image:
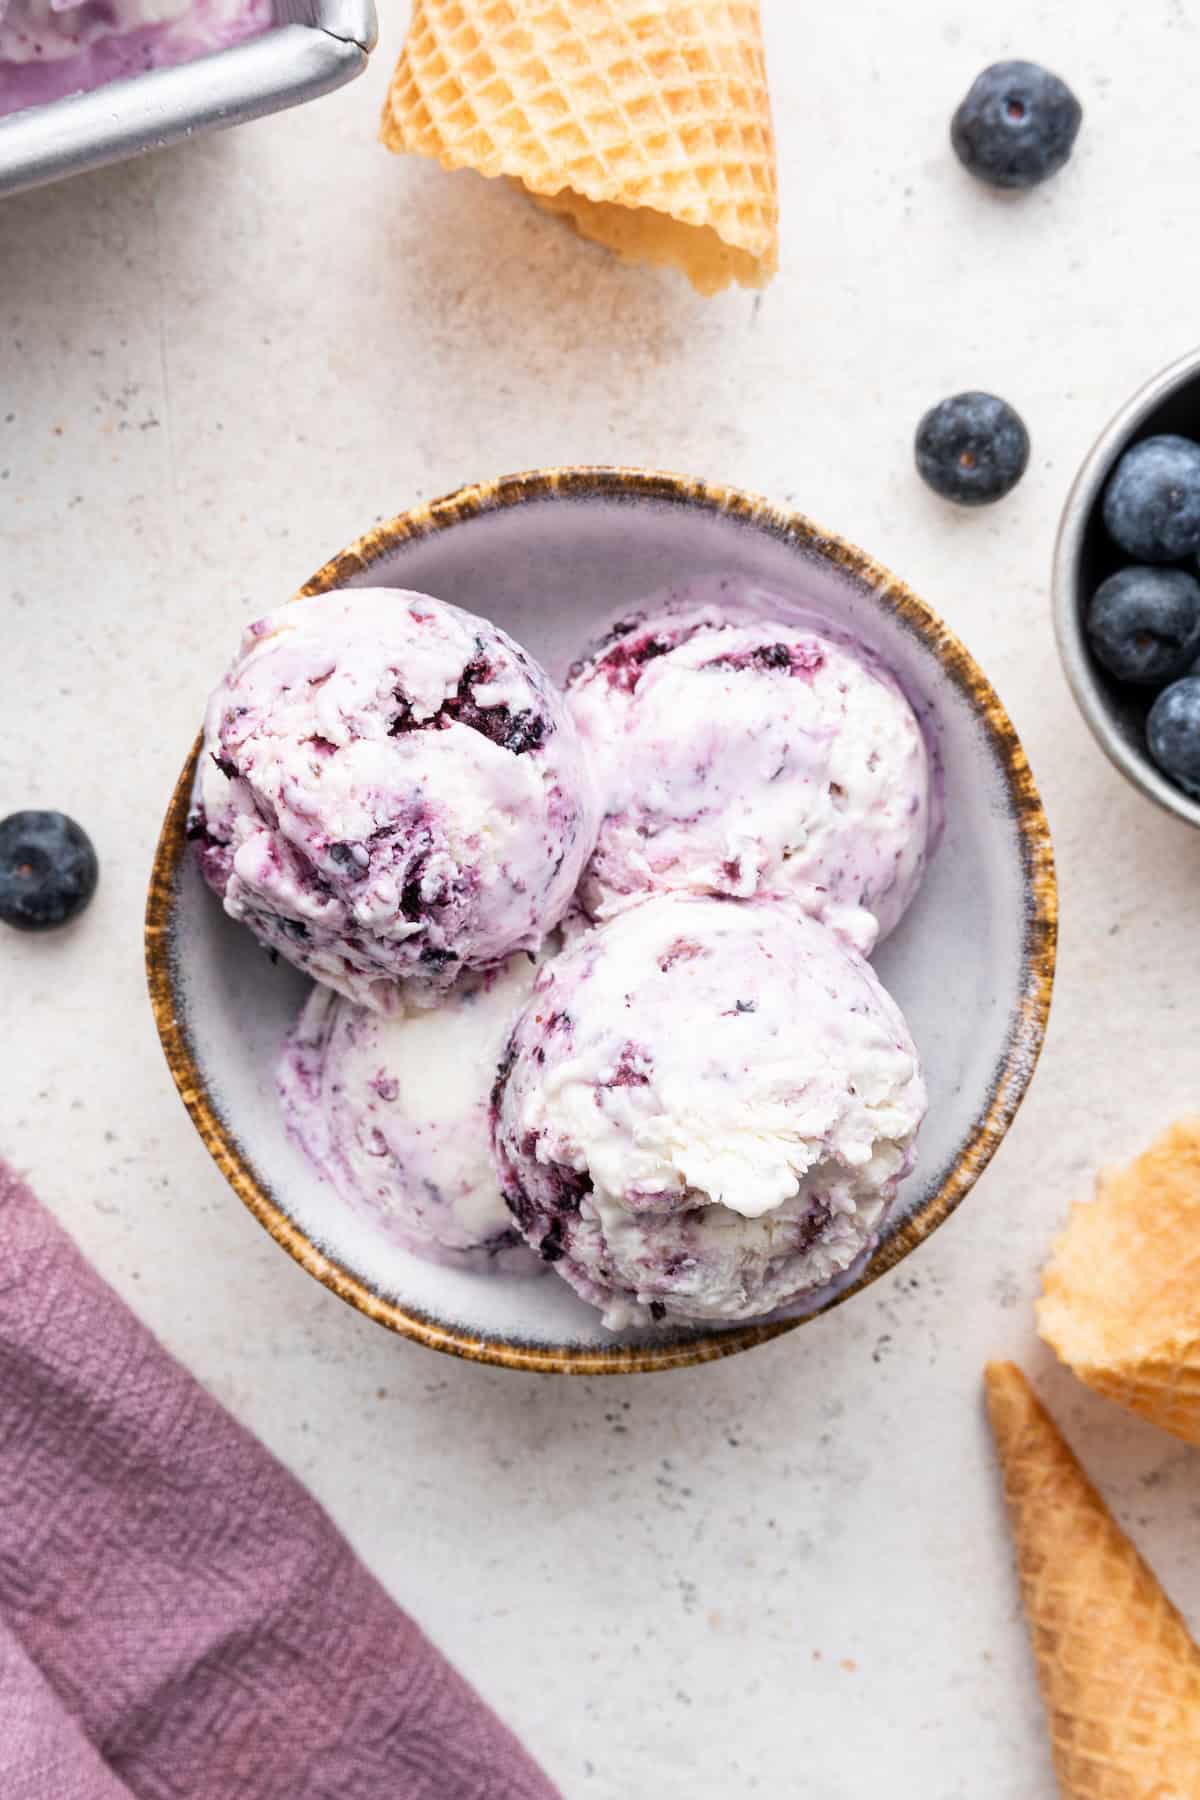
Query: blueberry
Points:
[1144, 624]
[1173, 733]
[1017, 125]
[48, 870]
[972, 448]
[1152, 503]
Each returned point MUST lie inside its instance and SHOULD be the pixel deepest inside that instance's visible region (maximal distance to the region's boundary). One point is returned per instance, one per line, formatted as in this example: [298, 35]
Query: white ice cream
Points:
[705, 1109]
[393, 1113]
[740, 754]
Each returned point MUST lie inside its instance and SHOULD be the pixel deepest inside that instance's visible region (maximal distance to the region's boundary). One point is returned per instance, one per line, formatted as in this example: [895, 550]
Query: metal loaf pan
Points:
[313, 47]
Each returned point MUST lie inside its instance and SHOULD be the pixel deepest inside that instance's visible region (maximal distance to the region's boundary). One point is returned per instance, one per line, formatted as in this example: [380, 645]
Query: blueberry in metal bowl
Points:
[1115, 702]
[1173, 733]
[1144, 624]
[1152, 503]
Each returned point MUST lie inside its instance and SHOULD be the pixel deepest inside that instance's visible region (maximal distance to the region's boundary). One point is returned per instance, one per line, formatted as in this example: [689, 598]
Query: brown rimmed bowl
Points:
[553, 556]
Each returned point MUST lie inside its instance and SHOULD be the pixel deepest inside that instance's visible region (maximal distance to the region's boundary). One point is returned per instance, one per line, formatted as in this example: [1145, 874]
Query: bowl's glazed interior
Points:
[553, 559]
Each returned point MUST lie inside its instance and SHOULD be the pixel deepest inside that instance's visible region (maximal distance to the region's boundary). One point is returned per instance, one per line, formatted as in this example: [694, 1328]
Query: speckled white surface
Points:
[786, 1573]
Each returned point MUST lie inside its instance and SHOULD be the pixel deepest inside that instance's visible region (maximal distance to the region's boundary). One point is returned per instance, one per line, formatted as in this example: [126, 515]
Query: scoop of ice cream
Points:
[390, 789]
[51, 48]
[393, 1113]
[745, 756]
[704, 1110]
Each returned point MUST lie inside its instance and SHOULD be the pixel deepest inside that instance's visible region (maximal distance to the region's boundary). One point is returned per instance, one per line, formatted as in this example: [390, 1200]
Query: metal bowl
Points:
[313, 47]
[1085, 555]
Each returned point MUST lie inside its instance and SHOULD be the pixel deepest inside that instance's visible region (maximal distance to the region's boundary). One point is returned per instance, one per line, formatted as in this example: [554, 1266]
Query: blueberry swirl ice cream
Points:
[744, 755]
[51, 48]
[393, 1114]
[704, 1110]
[390, 790]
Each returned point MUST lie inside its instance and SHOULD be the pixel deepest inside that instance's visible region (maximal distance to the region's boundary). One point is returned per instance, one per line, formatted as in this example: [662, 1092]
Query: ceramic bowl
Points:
[1085, 555]
[551, 556]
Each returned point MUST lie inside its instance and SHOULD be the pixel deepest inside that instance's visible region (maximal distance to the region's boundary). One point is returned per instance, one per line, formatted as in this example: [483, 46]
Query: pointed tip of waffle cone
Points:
[1029, 1443]
[1119, 1673]
[651, 134]
[1121, 1292]
[1010, 1399]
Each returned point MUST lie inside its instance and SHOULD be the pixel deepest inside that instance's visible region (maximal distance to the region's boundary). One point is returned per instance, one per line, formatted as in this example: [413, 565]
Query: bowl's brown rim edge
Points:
[1013, 1074]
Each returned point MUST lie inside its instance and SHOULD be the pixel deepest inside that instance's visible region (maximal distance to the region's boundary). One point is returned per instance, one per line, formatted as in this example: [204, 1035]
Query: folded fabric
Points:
[42, 1749]
[178, 1617]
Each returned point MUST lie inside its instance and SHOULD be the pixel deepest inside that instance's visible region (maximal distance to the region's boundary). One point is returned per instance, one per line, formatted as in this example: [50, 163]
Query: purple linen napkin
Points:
[179, 1620]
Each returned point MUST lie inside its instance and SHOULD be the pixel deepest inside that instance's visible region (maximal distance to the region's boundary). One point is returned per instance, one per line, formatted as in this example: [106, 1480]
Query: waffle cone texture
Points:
[645, 123]
[1121, 1294]
[1119, 1672]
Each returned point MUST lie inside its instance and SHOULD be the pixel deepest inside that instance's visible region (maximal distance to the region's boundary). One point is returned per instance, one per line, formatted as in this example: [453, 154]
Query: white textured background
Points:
[786, 1573]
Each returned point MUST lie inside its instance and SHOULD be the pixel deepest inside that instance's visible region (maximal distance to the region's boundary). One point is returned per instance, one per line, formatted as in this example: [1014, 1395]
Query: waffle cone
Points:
[646, 124]
[1121, 1294]
[1120, 1674]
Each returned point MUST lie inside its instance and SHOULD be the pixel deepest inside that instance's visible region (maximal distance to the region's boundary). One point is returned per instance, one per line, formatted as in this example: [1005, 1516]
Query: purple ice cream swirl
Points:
[390, 791]
[704, 1111]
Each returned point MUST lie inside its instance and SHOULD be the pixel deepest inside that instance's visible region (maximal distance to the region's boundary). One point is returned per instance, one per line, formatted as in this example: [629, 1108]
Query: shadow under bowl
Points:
[553, 557]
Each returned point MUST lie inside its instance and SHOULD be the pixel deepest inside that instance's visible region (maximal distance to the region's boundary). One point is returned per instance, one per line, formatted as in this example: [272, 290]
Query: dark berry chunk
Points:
[972, 449]
[48, 870]
[1152, 503]
[503, 1070]
[814, 1225]
[551, 1247]
[518, 732]
[1173, 733]
[434, 958]
[1144, 624]
[1017, 125]
[624, 664]
[412, 900]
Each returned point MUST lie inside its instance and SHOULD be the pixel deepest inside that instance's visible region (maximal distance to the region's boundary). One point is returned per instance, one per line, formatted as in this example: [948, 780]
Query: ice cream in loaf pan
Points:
[52, 48]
